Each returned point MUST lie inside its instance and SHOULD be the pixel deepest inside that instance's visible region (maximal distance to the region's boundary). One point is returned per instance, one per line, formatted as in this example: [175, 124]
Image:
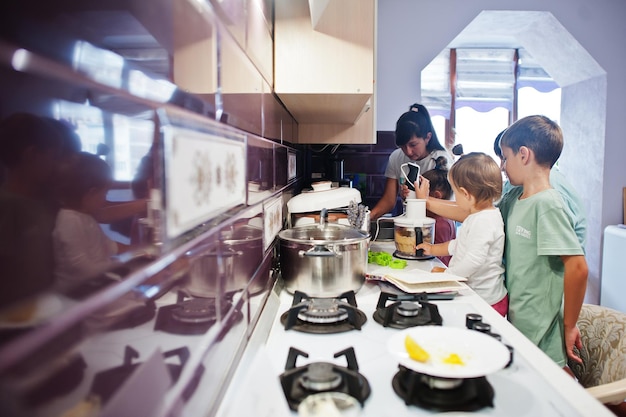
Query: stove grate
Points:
[406, 310]
[463, 395]
[351, 381]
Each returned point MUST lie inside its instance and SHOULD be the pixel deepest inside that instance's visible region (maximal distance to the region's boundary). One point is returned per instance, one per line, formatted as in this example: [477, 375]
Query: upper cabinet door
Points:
[324, 54]
[259, 42]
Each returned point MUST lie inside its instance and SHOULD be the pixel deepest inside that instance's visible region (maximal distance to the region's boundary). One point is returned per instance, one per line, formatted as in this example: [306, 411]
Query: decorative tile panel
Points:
[272, 219]
[204, 176]
[291, 166]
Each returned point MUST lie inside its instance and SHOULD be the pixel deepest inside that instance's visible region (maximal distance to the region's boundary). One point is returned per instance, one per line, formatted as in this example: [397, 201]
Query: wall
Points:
[413, 32]
[368, 177]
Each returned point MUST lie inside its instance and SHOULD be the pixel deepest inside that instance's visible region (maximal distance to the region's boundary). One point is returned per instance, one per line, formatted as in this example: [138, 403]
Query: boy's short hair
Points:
[538, 133]
[479, 174]
[83, 172]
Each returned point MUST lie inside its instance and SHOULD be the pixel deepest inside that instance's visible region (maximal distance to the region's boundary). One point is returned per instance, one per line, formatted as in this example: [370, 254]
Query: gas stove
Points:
[406, 310]
[530, 385]
[319, 377]
[323, 315]
[521, 389]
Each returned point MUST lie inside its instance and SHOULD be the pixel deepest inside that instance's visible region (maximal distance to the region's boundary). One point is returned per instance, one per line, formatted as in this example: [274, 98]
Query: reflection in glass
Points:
[147, 87]
[86, 120]
[99, 64]
[132, 141]
[127, 139]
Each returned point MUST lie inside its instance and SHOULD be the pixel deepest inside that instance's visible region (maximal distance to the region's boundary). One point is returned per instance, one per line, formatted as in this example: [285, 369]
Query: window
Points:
[126, 139]
[481, 91]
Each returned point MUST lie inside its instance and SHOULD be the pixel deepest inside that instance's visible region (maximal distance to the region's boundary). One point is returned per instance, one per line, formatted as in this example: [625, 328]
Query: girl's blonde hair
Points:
[479, 174]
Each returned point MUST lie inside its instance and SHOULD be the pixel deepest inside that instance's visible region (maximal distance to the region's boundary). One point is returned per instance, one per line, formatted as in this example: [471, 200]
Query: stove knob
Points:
[471, 319]
[482, 327]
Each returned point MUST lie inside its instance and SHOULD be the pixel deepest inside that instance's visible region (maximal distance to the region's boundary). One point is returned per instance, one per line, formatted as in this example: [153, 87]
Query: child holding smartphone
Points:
[478, 248]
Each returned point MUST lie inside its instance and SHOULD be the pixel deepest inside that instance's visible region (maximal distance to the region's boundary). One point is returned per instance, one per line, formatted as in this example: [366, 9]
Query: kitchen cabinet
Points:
[249, 24]
[278, 124]
[241, 87]
[194, 58]
[324, 71]
[259, 43]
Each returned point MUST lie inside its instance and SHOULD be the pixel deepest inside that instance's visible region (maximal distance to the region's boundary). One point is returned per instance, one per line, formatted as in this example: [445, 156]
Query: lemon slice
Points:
[453, 359]
[415, 351]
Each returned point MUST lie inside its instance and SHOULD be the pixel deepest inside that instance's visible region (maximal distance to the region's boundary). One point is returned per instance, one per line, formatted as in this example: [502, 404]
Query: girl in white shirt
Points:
[478, 248]
[81, 248]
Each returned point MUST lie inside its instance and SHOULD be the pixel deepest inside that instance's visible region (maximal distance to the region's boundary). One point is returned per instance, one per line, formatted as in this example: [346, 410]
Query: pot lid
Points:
[319, 235]
[316, 200]
[404, 221]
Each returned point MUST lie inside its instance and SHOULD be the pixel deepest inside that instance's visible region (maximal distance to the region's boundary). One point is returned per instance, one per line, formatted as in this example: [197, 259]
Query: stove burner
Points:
[300, 382]
[323, 311]
[407, 310]
[323, 315]
[196, 310]
[320, 377]
[192, 316]
[442, 394]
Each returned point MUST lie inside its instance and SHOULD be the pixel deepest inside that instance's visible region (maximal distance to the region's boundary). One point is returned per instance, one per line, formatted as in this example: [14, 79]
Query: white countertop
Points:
[533, 386]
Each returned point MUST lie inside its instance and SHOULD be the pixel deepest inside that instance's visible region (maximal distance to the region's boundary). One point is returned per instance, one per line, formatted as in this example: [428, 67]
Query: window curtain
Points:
[530, 74]
[485, 78]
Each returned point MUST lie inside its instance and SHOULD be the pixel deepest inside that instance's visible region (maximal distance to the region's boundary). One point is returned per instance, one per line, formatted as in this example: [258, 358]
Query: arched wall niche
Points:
[583, 103]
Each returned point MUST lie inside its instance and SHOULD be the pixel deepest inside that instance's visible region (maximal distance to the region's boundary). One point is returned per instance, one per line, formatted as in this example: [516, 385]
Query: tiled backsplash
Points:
[363, 164]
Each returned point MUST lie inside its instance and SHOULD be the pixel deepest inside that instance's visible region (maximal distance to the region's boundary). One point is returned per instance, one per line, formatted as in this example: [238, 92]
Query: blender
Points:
[411, 229]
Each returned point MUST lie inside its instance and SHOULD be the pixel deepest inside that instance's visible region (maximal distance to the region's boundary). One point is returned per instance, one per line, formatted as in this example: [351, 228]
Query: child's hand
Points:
[422, 190]
[572, 338]
[426, 247]
[404, 191]
[438, 269]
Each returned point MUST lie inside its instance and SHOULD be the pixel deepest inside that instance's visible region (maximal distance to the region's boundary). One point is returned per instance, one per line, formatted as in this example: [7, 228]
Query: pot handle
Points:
[319, 251]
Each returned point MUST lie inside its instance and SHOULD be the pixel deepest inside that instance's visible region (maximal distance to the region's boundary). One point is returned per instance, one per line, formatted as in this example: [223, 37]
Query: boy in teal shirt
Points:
[545, 263]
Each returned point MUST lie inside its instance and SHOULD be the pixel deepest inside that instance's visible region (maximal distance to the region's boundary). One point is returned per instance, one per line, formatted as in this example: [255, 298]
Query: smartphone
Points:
[413, 174]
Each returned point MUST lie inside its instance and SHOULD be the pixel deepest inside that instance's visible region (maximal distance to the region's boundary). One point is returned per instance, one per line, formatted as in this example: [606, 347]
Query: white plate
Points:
[481, 354]
[46, 307]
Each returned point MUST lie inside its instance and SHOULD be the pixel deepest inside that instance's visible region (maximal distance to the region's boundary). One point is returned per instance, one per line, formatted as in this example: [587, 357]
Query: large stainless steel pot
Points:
[323, 260]
[226, 266]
